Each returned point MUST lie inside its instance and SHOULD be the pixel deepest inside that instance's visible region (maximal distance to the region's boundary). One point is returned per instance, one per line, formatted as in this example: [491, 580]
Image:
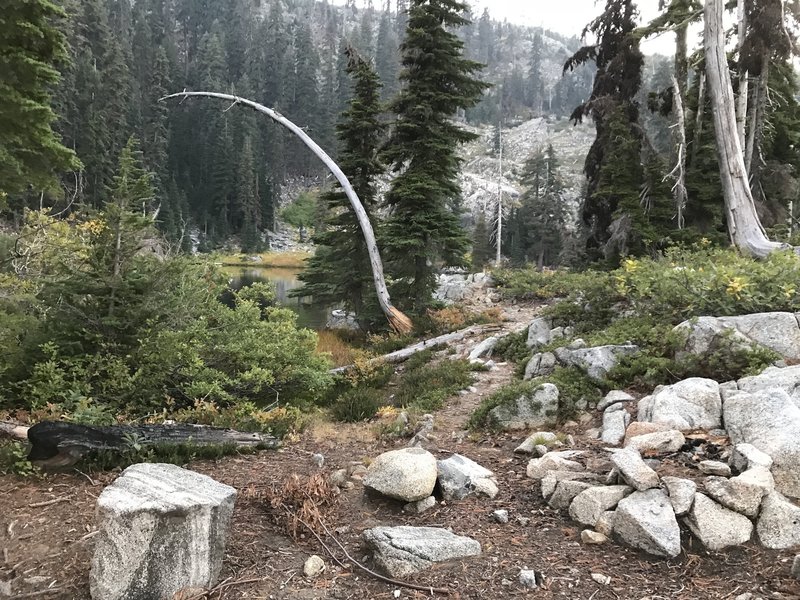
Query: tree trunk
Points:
[60, 444]
[399, 322]
[741, 105]
[698, 119]
[744, 226]
[757, 116]
[679, 172]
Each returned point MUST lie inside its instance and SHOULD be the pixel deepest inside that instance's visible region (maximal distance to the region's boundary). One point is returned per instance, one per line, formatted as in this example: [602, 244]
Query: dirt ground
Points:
[46, 530]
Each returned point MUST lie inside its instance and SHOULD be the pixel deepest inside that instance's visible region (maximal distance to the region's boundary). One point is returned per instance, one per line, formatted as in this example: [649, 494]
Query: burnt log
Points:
[59, 444]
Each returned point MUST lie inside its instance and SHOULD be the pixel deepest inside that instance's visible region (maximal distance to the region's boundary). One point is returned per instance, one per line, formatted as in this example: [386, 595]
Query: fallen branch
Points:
[49, 502]
[13, 431]
[368, 571]
[404, 354]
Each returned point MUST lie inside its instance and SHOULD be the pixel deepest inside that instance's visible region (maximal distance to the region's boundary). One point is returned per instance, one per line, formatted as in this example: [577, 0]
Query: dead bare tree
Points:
[399, 321]
[744, 226]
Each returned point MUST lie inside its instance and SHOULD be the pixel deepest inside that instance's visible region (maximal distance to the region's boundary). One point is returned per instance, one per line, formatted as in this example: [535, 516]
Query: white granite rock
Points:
[565, 491]
[403, 551]
[593, 537]
[634, 470]
[541, 363]
[539, 332]
[645, 520]
[588, 506]
[742, 493]
[661, 442]
[605, 524]
[714, 467]
[483, 348]
[460, 477]
[536, 409]
[408, 474]
[716, 526]
[693, 403]
[615, 420]
[779, 523]
[554, 461]
[314, 566]
[160, 528]
[597, 361]
[551, 479]
[747, 456]
[615, 397]
[540, 438]
[681, 493]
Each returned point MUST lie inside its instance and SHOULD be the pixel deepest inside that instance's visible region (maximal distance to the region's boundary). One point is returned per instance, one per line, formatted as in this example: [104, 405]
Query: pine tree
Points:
[30, 46]
[535, 82]
[438, 81]
[339, 272]
[387, 60]
[248, 205]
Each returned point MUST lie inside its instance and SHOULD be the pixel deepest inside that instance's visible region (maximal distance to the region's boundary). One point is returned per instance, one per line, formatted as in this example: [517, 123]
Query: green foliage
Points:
[358, 404]
[31, 46]
[513, 347]
[14, 459]
[481, 250]
[427, 386]
[423, 226]
[505, 395]
[302, 211]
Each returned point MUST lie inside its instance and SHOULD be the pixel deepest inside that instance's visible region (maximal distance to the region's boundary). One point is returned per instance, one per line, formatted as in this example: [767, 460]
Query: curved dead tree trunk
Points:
[399, 321]
[744, 226]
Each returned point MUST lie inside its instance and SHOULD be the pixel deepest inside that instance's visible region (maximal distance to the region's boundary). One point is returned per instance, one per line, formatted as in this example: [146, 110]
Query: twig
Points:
[50, 502]
[40, 593]
[92, 481]
[370, 572]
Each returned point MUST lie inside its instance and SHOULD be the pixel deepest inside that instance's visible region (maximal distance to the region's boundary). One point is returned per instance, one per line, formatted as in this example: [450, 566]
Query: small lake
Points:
[284, 280]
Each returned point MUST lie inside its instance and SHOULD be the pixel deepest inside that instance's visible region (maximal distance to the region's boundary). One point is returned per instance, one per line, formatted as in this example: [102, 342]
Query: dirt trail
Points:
[46, 550]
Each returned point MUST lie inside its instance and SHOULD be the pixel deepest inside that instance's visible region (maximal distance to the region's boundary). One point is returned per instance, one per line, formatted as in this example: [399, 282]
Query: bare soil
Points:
[46, 528]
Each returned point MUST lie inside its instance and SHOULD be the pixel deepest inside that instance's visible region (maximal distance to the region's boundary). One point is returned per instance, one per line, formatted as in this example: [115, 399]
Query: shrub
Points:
[506, 394]
[14, 459]
[426, 387]
[513, 347]
[358, 404]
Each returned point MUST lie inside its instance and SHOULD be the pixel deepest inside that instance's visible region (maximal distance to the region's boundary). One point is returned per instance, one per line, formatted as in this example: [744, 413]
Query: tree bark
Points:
[757, 116]
[741, 104]
[679, 172]
[399, 321]
[744, 226]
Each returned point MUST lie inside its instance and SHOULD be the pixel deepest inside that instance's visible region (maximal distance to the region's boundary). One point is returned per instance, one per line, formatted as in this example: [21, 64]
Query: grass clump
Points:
[358, 404]
[425, 387]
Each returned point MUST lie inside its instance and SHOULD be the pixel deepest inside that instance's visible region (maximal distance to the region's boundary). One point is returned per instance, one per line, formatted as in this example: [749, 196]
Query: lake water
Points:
[284, 280]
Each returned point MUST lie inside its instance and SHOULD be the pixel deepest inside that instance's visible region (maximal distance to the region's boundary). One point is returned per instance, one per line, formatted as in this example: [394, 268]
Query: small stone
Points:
[314, 566]
[553, 461]
[420, 506]
[714, 467]
[318, 460]
[593, 537]
[796, 567]
[605, 524]
[615, 397]
[661, 442]
[540, 450]
[601, 579]
[5, 588]
[523, 521]
[681, 493]
[338, 477]
[500, 516]
[358, 471]
[633, 469]
[527, 577]
[460, 477]
[408, 474]
[747, 456]
[540, 438]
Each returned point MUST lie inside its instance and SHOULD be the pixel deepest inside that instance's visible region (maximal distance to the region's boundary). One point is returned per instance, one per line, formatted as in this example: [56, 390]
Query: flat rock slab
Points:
[460, 476]
[554, 461]
[403, 551]
[716, 526]
[660, 442]
[537, 409]
[634, 470]
[161, 528]
[408, 474]
[645, 520]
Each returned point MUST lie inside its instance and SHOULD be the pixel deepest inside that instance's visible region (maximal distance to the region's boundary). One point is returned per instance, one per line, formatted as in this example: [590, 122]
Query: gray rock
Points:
[554, 461]
[716, 526]
[541, 363]
[645, 520]
[556, 333]
[588, 506]
[538, 409]
[770, 421]
[693, 403]
[600, 578]
[539, 332]
[661, 442]
[6, 589]
[714, 467]
[577, 344]
[705, 335]
[747, 456]
[314, 566]
[796, 567]
[459, 477]
[743, 493]
[614, 423]
[540, 438]
[403, 551]
[341, 319]
[483, 348]
[605, 524]
[597, 361]
[540, 450]
[500, 516]
[565, 492]
[777, 331]
[633, 469]
[338, 477]
[408, 474]
[593, 537]
[779, 524]
[551, 479]
[681, 493]
[785, 378]
[527, 578]
[420, 506]
[615, 397]
[161, 528]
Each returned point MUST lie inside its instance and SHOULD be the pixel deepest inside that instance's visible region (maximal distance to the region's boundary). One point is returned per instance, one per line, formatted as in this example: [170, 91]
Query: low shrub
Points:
[14, 459]
[358, 404]
[426, 387]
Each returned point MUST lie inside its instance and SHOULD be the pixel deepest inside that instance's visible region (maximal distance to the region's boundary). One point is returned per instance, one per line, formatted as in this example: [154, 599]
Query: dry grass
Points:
[281, 260]
[341, 352]
[322, 431]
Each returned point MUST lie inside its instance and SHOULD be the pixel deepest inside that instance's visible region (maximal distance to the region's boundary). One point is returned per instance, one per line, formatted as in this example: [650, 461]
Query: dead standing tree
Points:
[399, 321]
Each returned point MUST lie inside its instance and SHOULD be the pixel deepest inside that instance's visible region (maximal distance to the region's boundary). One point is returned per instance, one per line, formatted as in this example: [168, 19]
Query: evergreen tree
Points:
[438, 81]
[31, 154]
[339, 272]
[535, 81]
[387, 61]
[248, 205]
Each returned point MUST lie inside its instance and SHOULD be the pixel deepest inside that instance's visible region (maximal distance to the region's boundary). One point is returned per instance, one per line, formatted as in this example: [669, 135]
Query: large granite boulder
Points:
[541, 363]
[538, 408]
[645, 520]
[596, 361]
[402, 551]
[460, 477]
[785, 378]
[408, 474]
[161, 529]
[778, 331]
[588, 506]
[693, 403]
[716, 526]
[769, 420]
[779, 523]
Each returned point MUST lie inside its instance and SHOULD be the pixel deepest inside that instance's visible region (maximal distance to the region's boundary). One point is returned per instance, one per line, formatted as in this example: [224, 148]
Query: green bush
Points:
[301, 212]
[14, 459]
[358, 404]
[426, 387]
